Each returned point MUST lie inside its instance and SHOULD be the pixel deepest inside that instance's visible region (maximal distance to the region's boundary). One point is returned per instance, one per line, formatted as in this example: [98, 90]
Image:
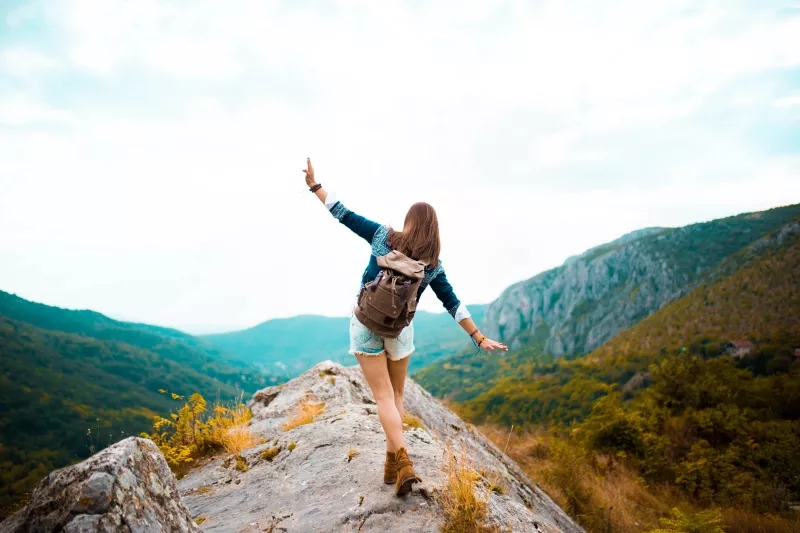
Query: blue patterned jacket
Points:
[376, 235]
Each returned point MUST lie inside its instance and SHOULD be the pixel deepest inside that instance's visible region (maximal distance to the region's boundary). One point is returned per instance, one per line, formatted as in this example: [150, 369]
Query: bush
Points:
[192, 432]
[702, 522]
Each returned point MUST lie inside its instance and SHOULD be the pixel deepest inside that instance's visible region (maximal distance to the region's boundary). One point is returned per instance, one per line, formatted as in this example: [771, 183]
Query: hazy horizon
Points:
[151, 152]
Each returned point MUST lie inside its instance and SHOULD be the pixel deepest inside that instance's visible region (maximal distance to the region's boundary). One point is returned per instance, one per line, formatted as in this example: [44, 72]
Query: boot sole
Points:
[407, 485]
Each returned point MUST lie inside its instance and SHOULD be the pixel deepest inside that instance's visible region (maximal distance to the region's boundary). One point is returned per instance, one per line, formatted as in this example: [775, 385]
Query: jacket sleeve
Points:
[444, 291]
[361, 226]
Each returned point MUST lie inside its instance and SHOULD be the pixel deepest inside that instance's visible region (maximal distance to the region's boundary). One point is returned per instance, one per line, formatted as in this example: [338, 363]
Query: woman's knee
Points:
[383, 396]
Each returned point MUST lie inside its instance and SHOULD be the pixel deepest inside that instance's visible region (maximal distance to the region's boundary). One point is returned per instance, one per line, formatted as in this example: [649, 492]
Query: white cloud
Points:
[25, 62]
[787, 101]
[166, 185]
[21, 110]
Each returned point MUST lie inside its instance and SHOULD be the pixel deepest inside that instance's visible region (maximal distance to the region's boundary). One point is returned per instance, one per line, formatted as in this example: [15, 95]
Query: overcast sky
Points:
[151, 150]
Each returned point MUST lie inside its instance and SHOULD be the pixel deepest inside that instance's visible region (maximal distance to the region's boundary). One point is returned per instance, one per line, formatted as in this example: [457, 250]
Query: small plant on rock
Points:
[412, 421]
[241, 463]
[270, 453]
[305, 413]
[464, 511]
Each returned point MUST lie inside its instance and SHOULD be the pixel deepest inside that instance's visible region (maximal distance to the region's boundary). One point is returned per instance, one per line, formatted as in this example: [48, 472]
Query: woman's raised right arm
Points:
[361, 226]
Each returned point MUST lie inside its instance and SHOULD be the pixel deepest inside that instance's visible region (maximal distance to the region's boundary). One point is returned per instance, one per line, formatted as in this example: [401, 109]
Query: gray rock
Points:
[316, 487]
[127, 487]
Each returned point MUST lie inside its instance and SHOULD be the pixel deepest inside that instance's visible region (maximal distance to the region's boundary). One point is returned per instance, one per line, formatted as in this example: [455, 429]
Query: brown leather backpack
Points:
[387, 304]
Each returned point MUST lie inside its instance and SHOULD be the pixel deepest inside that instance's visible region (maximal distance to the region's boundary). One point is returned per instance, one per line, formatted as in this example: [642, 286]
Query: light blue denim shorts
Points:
[363, 341]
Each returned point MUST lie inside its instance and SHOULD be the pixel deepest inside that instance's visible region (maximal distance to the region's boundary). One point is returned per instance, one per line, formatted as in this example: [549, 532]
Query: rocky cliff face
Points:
[324, 476]
[578, 306]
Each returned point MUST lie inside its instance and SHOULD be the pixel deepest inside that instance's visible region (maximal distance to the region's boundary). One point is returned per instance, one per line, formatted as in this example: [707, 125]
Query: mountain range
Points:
[575, 308]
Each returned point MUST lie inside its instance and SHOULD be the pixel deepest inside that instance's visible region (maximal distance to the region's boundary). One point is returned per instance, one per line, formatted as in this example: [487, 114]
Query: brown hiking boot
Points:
[390, 469]
[405, 473]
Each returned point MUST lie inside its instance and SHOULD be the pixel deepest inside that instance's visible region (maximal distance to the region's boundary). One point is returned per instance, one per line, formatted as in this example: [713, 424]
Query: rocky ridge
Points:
[327, 476]
[323, 476]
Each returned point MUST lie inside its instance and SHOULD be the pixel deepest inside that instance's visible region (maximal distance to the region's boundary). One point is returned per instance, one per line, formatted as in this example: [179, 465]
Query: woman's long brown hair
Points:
[420, 236]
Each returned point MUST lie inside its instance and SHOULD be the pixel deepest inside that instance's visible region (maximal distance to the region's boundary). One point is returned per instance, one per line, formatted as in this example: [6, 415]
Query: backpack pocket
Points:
[384, 301]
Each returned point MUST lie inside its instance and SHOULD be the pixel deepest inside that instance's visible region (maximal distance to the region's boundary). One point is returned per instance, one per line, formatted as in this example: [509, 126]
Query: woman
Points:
[384, 361]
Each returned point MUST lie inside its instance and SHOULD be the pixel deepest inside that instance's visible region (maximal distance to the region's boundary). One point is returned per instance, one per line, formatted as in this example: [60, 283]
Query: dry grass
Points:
[602, 494]
[305, 413]
[737, 521]
[464, 511]
[228, 427]
[352, 452]
[239, 438]
[412, 421]
[292, 445]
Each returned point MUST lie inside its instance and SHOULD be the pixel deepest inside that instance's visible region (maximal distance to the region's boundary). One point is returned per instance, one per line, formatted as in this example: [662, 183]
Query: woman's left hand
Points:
[489, 345]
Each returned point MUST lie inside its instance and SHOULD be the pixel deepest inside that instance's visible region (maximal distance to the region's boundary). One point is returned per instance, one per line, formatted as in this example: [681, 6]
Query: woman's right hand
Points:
[310, 181]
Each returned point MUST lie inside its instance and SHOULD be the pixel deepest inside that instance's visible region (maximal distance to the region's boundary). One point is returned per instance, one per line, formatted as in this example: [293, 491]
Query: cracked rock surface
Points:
[327, 476]
[126, 488]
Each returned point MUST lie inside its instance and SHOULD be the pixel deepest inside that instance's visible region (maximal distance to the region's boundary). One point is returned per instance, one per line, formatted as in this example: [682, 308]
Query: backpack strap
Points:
[404, 292]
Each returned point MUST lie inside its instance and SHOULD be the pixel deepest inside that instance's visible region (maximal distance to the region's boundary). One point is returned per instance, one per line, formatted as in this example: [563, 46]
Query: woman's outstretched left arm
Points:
[444, 291]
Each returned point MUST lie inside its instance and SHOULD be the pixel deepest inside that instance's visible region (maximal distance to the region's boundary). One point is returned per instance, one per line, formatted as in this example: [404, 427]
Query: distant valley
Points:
[286, 347]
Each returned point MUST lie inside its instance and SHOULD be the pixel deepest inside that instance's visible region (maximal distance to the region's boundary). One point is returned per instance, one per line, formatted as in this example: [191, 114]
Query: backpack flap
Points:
[402, 264]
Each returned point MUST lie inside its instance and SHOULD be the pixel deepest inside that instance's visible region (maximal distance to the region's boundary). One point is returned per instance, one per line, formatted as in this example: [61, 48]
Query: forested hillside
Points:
[73, 380]
[758, 301]
[662, 413]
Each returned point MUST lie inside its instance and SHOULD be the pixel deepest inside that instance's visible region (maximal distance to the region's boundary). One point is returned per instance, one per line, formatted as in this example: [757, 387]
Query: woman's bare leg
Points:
[397, 375]
[376, 373]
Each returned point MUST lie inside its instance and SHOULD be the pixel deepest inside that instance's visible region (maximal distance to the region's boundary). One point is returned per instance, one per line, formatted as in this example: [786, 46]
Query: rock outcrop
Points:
[326, 476]
[126, 488]
[574, 308]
